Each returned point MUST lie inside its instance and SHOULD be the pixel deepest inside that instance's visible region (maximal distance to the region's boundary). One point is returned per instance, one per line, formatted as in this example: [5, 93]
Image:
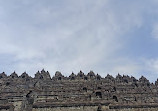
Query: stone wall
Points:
[92, 108]
[80, 108]
[78, 92]
[134, 109]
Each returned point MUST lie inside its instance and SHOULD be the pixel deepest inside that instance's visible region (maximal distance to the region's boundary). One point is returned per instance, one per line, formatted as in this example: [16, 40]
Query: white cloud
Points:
[152, 65]
[69, 35]
[155, 31]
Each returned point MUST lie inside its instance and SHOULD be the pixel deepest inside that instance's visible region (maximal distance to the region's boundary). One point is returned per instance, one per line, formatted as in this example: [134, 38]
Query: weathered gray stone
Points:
[79, 92]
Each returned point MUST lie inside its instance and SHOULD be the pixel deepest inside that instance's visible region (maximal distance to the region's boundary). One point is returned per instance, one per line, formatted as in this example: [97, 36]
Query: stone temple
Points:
[78, 92]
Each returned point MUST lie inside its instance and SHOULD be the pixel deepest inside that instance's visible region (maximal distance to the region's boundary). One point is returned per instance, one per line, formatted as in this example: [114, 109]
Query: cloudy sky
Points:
[106, 36]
